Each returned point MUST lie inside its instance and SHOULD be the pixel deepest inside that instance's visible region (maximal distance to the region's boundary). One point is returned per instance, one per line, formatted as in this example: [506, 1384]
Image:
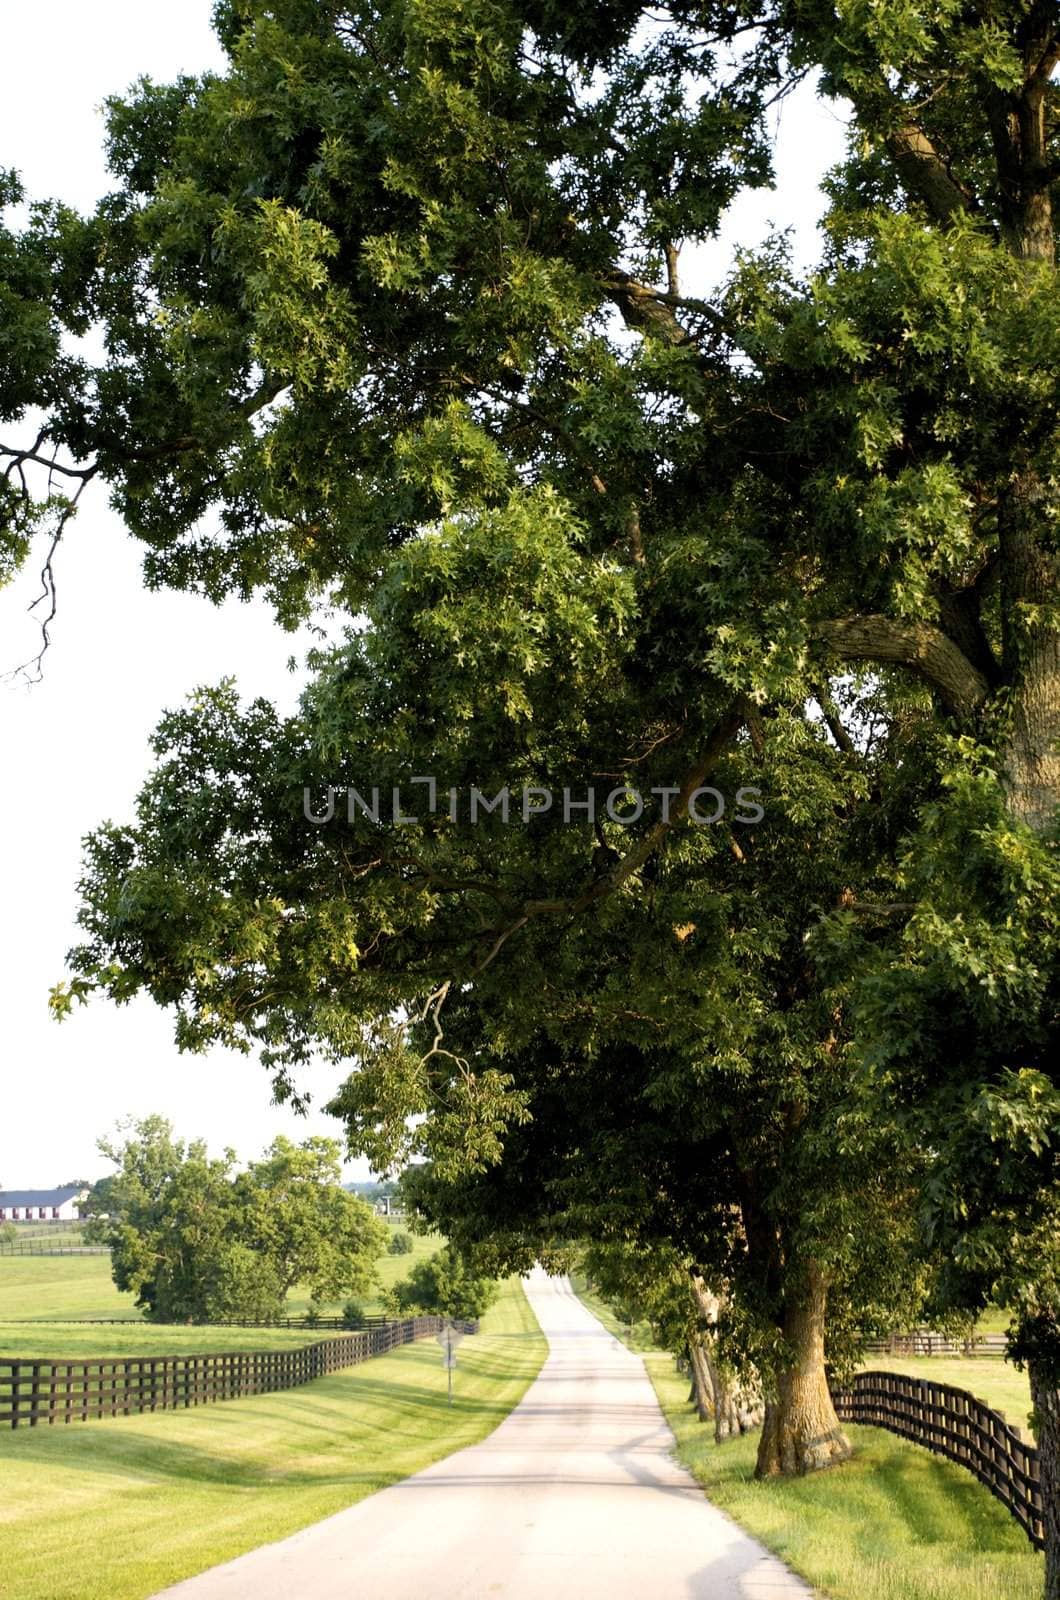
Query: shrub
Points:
[400, 1244]
[353, 1314]
[447, 1285]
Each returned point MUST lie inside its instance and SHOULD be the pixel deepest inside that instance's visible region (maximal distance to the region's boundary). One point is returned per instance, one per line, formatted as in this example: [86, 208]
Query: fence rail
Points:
[304, 1324]
[925, 1342]
[953, 1423]
[349, 1325]
[43, 1247]
[41, 1390]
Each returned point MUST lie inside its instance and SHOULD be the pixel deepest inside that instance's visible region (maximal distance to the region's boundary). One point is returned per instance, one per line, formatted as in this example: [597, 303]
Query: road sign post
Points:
[449, 1338]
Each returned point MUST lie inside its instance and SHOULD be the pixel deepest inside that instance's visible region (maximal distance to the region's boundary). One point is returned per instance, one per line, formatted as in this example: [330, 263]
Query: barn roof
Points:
[39, 1197]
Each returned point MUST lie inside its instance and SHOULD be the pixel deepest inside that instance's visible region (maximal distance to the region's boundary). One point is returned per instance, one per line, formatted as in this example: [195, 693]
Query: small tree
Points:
[400, 1244]
[446, 1285]
[195, 1241]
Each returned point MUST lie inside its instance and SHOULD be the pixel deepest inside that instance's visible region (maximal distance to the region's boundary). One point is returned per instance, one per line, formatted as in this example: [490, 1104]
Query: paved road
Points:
[573, 1497]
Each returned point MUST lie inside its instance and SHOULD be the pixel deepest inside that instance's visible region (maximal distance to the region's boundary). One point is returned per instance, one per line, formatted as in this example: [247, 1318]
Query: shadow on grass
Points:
[178, 1462]
[943, 1504]
[322, 1421]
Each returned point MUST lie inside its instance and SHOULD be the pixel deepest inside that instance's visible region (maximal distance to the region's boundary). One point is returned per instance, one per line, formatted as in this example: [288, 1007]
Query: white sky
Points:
[75, 746]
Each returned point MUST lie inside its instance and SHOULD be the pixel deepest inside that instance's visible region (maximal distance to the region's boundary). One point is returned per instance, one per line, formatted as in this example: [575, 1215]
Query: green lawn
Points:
[894, 1523]
[116, 1510]
[59, 1287]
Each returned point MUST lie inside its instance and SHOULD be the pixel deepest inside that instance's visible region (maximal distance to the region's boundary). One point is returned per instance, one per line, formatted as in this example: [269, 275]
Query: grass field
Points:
[63, 1288]
[59, 1341]
[58, 1232]
[59, 1287]
[116, 1510]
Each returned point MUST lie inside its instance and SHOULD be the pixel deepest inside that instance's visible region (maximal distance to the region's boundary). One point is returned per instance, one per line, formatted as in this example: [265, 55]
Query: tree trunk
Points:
[734, 1406]
[1031, 770]
[702, 1386]
[801, 1432]
[1045, 1398]
[1031, 582]
[737, 1410]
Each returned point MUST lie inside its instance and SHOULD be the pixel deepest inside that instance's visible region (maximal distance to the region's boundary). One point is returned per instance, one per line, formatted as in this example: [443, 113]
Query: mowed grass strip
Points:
[893, 1523]
[635, 1336]
[118, 1509]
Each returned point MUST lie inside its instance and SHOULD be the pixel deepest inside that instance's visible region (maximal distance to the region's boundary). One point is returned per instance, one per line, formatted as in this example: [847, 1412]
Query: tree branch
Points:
[833, 721]
[924, 649]
[623, 869]
[652, 312]
[926, 175]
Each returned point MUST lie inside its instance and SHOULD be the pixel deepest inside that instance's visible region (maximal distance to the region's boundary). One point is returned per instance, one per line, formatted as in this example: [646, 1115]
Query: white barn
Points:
[41, 1205]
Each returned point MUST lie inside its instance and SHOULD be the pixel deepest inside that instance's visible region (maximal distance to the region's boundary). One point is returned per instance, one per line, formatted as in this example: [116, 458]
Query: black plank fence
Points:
[40, 1390]
[952, 1423]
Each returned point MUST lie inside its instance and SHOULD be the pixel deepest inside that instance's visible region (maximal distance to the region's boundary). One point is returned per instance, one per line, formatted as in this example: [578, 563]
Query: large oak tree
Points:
[412, 267]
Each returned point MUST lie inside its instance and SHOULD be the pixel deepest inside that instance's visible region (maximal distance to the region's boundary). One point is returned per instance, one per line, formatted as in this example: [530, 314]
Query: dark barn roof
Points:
[38, 1197]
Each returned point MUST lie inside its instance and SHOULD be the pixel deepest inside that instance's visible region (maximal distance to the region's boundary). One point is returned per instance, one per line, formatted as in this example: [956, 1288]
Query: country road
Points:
[573, 1497]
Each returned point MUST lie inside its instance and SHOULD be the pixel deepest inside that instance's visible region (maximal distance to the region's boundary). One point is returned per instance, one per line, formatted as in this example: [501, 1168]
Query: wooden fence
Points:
[39, 1390]
[925, 1342]
[303, 1323]
[43, 1247]
[952, 1423]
